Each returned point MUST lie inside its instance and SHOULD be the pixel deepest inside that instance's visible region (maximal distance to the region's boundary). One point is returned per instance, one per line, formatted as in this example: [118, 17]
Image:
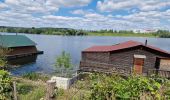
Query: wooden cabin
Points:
[126, 57]
[18, 45]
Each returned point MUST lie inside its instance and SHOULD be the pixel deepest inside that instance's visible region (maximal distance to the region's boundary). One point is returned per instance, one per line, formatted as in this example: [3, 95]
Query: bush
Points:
[63, 62]
[115, 87]
[5, 85]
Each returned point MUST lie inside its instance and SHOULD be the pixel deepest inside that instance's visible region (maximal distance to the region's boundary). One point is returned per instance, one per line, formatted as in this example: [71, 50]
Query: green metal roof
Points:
[15, 41]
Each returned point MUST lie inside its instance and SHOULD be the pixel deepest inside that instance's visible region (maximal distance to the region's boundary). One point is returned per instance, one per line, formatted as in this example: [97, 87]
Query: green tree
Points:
[63, 62]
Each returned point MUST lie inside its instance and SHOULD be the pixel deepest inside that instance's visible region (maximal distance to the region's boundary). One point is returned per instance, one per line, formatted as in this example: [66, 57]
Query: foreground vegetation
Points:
[29, 89]
[134, 87]
[92, 87]
[5, 86]
[74, 32]
[115, 87]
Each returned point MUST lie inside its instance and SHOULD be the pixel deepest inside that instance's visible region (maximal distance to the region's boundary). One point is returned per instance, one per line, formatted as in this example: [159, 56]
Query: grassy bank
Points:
[29, 90]
[122, 34]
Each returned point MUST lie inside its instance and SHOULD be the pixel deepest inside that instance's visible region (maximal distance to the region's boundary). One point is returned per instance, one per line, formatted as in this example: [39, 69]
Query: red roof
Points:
[120, 46]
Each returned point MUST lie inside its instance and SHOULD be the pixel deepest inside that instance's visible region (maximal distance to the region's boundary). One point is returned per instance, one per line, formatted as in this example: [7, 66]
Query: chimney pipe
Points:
[146, 42]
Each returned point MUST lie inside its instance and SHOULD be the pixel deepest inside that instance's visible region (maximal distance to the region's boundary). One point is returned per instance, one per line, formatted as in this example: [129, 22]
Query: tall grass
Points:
[36, 94]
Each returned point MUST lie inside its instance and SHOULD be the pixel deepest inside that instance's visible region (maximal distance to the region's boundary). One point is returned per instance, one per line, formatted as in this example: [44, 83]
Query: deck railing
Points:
[162, 73]
[104, 67]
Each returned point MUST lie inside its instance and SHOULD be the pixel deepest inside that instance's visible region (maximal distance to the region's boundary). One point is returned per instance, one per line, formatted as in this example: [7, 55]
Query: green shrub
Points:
[115, 87]
[5, 85]
[63, 62]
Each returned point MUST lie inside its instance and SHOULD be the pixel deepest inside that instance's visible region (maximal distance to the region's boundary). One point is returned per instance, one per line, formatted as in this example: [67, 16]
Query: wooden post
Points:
[15, 91]
[50, 90]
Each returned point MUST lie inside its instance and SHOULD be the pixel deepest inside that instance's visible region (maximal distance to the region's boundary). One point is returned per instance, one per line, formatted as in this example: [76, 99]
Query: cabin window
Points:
[138, 64]
[164, 64]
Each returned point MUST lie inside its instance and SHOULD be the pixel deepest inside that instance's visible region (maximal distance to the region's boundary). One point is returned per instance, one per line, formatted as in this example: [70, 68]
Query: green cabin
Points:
[19, 45]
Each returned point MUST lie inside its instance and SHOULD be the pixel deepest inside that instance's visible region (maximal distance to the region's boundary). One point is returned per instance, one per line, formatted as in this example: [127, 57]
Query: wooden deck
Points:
[23, 55]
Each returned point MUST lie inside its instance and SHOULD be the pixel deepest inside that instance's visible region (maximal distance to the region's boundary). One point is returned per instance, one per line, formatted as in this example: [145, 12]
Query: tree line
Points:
[75, 32]
[159, 33]
[50, 31]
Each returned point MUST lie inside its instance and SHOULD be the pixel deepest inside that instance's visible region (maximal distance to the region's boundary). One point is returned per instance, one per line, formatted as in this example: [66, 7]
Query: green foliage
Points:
[36, 94]
[51, 31]
[63, 62]
[3, 52]
[162, 33]
[59, 92]
[24, 88]
[115, 87]
[35, 76]
[31, 76]
[5, 85]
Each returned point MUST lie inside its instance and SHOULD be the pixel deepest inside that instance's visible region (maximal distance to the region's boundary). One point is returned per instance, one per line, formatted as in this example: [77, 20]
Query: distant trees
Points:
[113, 31]
[74, 32]
[50, 31]
[163, 33]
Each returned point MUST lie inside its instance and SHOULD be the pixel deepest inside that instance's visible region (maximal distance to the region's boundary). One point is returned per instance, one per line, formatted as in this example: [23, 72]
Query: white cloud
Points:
[68, 3]
[2, 5]
[112, 5]
[43, 6]
[40, 13]
[78, 12]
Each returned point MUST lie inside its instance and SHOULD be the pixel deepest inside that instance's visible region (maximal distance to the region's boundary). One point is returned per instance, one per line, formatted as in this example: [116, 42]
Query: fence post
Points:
[15, 91]
[50, 93]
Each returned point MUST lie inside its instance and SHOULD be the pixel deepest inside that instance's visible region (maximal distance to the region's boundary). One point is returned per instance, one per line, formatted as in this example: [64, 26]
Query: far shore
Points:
[104, 34]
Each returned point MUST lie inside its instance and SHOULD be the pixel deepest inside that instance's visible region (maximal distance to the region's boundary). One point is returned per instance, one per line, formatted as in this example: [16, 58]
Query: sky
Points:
[86, 14]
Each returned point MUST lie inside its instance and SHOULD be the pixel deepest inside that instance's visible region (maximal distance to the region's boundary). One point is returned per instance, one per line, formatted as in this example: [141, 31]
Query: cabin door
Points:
[138, 65]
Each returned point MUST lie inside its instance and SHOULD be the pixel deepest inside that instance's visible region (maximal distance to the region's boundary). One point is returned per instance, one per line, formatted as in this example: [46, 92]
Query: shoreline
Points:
[148, 35]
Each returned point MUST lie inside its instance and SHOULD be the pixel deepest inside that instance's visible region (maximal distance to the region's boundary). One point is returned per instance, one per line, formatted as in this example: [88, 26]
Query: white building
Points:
[145, 31]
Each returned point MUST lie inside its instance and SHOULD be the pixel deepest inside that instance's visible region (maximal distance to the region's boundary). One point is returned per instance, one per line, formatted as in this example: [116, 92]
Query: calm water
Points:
[54, 45]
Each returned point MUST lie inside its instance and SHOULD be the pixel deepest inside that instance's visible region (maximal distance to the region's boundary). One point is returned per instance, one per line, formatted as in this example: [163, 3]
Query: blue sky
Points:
[86, 14]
